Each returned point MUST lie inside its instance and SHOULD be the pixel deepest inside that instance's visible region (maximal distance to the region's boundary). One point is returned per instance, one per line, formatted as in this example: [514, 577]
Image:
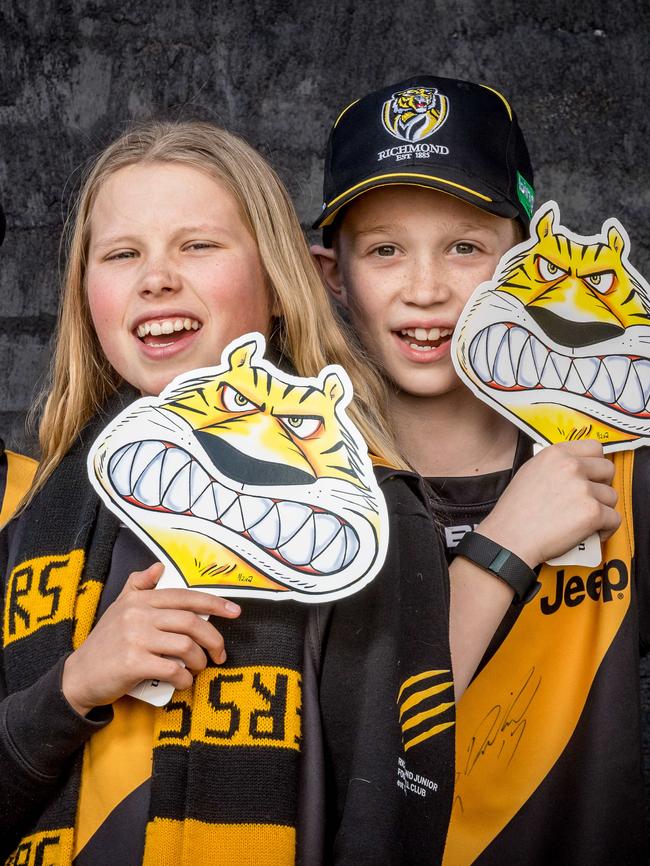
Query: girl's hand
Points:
[142, 636]
[556, 500]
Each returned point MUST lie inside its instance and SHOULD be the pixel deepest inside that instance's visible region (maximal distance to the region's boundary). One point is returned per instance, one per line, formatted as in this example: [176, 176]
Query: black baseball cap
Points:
[455, 136]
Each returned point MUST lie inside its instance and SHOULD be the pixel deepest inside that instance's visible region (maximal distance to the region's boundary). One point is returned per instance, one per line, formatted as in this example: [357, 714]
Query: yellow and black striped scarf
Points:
[225, 752]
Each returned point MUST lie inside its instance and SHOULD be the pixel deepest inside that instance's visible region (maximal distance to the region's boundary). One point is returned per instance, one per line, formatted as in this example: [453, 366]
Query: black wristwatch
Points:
[502, 562]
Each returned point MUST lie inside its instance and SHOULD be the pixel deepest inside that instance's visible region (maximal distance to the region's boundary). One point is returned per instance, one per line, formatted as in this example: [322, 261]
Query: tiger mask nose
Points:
[570, 333]
[246, 469]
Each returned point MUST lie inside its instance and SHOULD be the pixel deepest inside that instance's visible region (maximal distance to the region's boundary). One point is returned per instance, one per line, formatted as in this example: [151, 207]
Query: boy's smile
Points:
[173, 272]
[405, 261]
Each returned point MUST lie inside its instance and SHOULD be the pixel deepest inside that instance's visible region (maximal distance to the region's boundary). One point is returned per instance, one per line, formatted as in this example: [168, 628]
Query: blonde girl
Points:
[183, 238]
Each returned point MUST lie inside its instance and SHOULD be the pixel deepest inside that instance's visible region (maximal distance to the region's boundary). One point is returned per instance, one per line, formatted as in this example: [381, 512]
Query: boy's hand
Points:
[133, 639]
[556, 500]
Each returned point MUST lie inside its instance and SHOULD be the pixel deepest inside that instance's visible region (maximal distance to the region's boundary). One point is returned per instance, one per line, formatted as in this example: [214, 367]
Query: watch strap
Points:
[501, 562]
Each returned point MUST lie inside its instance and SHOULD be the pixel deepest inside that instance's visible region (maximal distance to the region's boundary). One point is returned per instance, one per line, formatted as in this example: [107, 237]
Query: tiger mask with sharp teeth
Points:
[247, 480]
[559, 340]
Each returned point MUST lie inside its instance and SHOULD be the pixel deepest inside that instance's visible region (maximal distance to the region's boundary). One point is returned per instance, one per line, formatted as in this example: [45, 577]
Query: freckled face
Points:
[173, 273]
[409, 260]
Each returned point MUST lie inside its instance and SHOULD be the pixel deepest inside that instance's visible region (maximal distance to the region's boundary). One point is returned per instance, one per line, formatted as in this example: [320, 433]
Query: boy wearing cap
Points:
[427, 183]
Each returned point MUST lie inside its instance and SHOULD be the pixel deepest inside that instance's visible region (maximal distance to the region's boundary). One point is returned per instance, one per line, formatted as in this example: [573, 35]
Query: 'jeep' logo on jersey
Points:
[600, 584]
[415, 114]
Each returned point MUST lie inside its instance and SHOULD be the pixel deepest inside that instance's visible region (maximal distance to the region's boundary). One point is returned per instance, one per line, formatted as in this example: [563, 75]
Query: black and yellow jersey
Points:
[16, 474]
[587, 804]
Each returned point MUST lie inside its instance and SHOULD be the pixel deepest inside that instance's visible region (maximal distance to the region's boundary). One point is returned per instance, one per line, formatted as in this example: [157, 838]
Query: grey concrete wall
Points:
[73, 73]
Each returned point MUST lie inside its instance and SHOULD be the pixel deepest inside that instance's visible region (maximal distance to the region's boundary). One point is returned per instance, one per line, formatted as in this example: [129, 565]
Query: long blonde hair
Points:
[308, 333]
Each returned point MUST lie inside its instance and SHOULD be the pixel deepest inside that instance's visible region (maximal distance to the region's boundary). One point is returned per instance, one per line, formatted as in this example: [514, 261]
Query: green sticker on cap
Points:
[525, 194]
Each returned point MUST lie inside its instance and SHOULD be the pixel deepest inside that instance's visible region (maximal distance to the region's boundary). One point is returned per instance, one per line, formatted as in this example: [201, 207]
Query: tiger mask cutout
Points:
[559, 340]
[248, 481]
[415, 114]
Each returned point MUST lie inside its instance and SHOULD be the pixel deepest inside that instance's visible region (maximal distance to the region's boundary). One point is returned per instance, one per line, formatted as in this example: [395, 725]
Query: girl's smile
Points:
[172, 327]
[173, 272]
[164, 337]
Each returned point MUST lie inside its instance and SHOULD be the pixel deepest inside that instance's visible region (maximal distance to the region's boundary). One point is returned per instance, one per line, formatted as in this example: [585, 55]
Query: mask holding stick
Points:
[247, 481]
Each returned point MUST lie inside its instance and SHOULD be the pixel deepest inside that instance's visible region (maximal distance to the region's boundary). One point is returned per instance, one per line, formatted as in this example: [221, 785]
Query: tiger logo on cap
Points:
[415, 114]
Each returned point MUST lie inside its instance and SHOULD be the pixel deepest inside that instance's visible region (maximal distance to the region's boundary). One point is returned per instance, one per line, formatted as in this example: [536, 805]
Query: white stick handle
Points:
[588, 553]
[153, 692]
